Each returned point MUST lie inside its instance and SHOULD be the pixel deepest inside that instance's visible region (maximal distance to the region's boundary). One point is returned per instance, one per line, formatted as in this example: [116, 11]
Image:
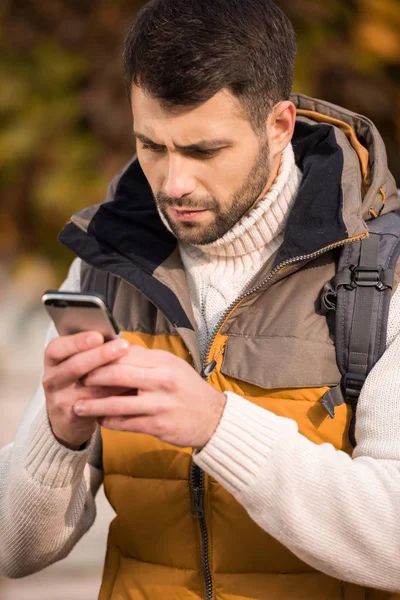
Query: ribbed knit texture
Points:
[218, 273]
[46, 490]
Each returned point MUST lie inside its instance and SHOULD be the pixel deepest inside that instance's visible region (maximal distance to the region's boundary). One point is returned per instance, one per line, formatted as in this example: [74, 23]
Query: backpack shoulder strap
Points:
[360, 294]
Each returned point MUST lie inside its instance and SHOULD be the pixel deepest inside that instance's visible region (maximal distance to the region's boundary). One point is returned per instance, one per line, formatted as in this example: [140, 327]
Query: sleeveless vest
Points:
[274, 347]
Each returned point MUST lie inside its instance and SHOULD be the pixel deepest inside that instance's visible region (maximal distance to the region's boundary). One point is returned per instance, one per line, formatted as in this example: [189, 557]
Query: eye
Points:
[152, 147]
[204, 154]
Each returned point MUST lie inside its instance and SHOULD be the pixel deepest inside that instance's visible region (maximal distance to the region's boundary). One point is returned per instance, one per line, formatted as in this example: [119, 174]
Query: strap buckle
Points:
[367, 277]
[352, 386]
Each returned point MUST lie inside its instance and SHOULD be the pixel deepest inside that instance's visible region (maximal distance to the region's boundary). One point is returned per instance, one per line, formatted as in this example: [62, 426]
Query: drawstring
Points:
[372, 212]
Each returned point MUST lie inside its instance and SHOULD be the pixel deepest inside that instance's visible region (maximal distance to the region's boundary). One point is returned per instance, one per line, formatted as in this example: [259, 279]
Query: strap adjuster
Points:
[367, 277]
[352, 386]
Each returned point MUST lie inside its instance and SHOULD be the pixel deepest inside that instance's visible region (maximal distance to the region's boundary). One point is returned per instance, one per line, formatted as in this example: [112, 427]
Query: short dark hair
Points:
[182, 52]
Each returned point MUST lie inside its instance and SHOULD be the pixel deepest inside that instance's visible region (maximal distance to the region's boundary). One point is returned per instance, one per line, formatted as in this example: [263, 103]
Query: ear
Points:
[281, 122]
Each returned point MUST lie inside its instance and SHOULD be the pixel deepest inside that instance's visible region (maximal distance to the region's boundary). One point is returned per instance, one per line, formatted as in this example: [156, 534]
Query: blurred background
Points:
[65, 130]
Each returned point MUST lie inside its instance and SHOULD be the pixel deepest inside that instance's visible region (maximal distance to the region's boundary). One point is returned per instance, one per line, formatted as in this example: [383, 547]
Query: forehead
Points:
[220, 114]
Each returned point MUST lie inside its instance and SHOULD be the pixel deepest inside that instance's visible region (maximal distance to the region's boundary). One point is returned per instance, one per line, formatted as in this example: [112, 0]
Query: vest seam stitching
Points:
[272, 573]
[314, 386]
[149, 562]
[280, 337]
[108, 474]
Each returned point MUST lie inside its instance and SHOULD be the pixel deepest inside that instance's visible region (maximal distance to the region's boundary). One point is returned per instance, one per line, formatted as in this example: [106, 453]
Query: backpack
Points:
[358, 299]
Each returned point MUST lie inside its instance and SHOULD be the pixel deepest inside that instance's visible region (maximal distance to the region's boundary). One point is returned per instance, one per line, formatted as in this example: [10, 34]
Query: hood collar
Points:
[339, 186]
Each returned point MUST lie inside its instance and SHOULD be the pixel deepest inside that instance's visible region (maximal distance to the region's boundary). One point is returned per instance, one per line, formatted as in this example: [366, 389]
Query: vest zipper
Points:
[196, 474]
[197, 493]
[208, 367]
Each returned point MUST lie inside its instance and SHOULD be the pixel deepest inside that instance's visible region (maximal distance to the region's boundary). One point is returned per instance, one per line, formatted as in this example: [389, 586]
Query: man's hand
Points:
[67, 359]
[169, 400]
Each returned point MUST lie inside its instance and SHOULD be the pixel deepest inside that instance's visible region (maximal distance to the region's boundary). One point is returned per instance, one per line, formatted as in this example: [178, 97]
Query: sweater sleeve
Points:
[339, 514]
[46, 490]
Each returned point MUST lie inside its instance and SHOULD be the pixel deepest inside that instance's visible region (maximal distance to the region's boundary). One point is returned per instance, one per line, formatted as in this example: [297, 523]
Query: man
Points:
[227, 476]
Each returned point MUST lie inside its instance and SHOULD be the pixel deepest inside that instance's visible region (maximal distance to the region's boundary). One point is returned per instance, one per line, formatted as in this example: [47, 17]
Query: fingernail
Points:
[79, 408]
[120, 346]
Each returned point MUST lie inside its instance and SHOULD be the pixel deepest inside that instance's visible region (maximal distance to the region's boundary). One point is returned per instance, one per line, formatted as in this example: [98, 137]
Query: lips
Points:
[188, 210]
[187, 215]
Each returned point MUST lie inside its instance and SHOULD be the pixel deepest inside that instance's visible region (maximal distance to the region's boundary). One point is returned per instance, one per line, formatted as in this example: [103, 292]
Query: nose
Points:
[179, 180]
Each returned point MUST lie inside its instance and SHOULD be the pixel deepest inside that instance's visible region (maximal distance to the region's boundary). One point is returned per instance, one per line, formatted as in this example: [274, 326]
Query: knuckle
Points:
[105, 422]
[52, 348]
[158, 426]
[48, 383]
[168, 382]
[74, 369]
[120, 423]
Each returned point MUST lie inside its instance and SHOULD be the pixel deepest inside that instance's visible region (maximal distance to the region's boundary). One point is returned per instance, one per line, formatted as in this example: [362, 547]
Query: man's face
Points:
[206, 166]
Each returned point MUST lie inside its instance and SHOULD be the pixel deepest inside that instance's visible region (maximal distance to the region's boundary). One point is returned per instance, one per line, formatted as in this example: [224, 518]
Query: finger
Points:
[117, 406]
[89, 393]
[142, 424]
[146, 358]
[126, 375]
[74, 368]
[65, 346]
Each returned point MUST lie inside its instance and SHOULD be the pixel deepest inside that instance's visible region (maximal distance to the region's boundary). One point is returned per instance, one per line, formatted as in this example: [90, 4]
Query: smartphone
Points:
[73, 312]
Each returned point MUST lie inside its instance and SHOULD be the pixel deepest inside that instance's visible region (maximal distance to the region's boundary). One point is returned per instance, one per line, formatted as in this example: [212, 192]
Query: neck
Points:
[273, 176]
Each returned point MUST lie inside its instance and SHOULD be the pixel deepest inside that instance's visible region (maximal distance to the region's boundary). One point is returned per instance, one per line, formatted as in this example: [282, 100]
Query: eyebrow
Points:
[202, 144]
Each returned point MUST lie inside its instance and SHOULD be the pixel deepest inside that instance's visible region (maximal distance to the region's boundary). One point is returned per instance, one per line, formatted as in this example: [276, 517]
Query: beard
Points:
[224, 217]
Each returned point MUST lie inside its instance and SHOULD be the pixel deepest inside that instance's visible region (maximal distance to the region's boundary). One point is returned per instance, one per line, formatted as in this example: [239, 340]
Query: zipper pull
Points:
[197, 503]
[208, 369]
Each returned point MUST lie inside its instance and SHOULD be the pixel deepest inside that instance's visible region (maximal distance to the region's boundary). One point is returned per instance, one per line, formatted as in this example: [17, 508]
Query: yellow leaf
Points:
[378, 38]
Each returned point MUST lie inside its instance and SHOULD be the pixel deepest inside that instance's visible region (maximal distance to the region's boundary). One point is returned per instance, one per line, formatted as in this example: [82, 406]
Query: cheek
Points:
[230, 172]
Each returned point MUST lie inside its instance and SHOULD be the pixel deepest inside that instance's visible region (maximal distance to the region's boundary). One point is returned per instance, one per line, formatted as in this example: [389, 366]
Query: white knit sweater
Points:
[338, 513]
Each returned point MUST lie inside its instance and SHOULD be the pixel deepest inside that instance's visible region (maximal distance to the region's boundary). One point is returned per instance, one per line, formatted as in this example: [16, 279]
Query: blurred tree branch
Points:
[65, 124]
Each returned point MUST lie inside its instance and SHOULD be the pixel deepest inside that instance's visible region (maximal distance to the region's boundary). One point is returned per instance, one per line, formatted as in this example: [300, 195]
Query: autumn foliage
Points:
[65, 126]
